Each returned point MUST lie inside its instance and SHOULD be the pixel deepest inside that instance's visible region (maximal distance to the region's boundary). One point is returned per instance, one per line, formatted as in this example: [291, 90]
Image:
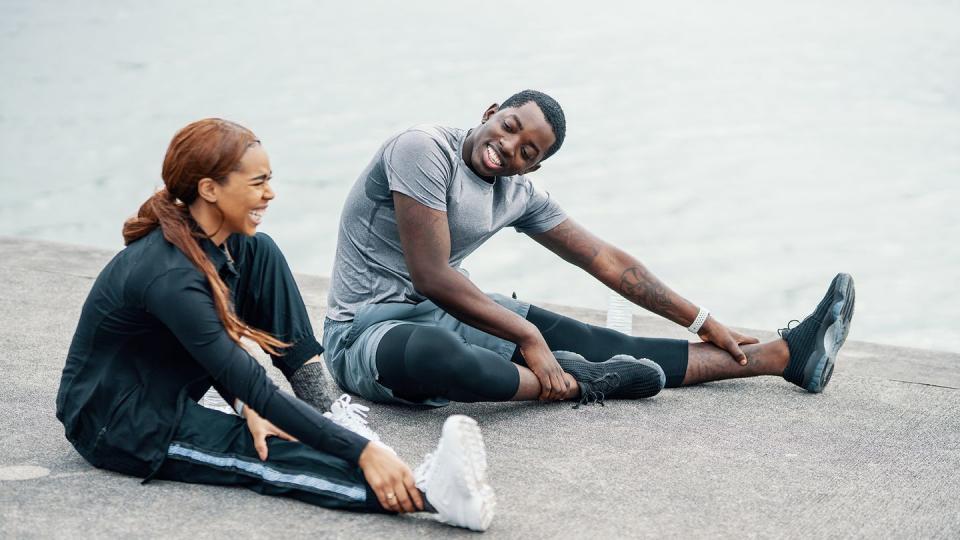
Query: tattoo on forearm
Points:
[639, 285]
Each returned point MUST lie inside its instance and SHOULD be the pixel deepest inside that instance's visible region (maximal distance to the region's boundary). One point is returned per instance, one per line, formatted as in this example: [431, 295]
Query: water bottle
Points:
[619, 314]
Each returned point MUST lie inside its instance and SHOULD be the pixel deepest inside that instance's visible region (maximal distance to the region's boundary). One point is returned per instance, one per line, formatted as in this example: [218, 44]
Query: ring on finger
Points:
[391, 496]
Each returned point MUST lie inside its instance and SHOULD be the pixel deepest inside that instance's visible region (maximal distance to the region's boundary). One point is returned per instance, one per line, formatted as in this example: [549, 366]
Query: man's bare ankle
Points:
[573, 391]
[782, 354]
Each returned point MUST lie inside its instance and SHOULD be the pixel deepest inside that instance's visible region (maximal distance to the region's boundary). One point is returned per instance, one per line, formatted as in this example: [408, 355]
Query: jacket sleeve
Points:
[181, 300]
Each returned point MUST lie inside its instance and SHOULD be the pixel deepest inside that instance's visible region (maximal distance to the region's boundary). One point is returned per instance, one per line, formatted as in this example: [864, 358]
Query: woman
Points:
[163, 323]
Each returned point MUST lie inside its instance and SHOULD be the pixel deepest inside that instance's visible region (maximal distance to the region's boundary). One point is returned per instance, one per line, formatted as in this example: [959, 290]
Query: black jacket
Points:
[149, 338]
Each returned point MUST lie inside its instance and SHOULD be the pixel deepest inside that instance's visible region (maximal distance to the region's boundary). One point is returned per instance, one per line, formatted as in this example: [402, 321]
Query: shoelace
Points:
[352, 416]
[784, 331]
[597, 389]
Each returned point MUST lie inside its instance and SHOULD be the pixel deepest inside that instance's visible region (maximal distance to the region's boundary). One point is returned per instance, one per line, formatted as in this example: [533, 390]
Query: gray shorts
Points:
[351, 346]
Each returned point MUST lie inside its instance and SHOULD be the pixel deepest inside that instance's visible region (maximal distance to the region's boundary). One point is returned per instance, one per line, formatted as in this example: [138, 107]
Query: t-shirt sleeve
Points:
[181, 300]
[542, 213]
[417, 165]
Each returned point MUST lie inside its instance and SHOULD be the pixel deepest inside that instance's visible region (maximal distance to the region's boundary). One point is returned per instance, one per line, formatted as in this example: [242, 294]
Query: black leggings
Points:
[421, 362]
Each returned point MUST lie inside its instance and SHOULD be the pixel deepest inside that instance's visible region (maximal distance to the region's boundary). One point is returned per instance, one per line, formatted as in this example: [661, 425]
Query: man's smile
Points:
[492, 159]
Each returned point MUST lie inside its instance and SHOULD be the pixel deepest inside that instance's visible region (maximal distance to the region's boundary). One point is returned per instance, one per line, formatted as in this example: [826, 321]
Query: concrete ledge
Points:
[875, 455]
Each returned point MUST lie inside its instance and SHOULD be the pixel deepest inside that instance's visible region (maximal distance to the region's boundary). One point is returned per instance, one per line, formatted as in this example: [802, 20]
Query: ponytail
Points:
[148, 217]
[174, 219]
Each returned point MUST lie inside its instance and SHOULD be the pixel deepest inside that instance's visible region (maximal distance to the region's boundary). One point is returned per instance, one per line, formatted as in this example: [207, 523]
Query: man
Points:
[406, 325]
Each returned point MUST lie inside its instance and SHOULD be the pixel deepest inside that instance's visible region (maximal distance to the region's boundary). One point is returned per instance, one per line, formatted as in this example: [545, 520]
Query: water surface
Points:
[746, 151]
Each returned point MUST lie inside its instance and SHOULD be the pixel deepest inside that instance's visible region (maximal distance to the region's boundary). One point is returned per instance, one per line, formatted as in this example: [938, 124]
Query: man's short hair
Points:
[551, 111]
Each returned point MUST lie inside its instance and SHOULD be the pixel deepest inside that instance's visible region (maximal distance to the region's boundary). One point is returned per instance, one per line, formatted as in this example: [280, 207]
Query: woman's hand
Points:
[260, 429]
[390, 478]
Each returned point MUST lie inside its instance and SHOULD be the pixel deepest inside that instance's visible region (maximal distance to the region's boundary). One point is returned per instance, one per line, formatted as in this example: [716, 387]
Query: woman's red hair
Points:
[209, 148]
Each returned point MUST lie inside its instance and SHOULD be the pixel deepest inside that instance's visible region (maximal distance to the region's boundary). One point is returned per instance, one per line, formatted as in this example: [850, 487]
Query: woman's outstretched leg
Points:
[215, 448]
[210, 447]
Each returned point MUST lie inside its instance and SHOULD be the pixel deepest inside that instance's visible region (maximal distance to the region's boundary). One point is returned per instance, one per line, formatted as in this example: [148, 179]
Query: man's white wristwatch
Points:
[698, 322]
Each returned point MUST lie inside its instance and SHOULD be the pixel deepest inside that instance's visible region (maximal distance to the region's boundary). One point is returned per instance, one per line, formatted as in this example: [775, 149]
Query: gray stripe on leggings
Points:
[268, 474]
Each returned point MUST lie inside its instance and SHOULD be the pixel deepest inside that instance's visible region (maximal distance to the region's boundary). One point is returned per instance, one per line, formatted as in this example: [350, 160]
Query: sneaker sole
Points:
[831, 335]
[465, 433]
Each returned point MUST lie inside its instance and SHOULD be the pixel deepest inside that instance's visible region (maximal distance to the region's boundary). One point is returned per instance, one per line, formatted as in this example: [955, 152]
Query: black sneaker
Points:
[814, 343]
[622, 376]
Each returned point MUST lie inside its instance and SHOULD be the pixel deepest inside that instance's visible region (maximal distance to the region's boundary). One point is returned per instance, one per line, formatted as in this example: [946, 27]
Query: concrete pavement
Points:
[876, 455]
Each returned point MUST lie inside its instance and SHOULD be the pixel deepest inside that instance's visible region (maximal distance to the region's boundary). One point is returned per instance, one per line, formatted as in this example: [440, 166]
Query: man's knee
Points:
[438, 351]
[425, 361]
[448, 358]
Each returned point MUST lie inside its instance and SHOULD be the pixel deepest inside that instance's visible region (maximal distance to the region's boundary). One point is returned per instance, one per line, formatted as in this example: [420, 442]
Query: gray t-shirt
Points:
[424, 163]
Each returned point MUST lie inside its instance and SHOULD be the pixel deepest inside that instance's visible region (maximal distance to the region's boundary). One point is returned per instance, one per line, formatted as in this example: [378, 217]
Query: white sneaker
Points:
[454, 477]
[352, 416]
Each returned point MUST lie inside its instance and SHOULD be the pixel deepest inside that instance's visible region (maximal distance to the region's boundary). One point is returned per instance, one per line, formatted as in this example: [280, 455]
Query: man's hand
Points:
[721, 336]
[425, 237]
[390, 478]
[536, 353]
[260, 429]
